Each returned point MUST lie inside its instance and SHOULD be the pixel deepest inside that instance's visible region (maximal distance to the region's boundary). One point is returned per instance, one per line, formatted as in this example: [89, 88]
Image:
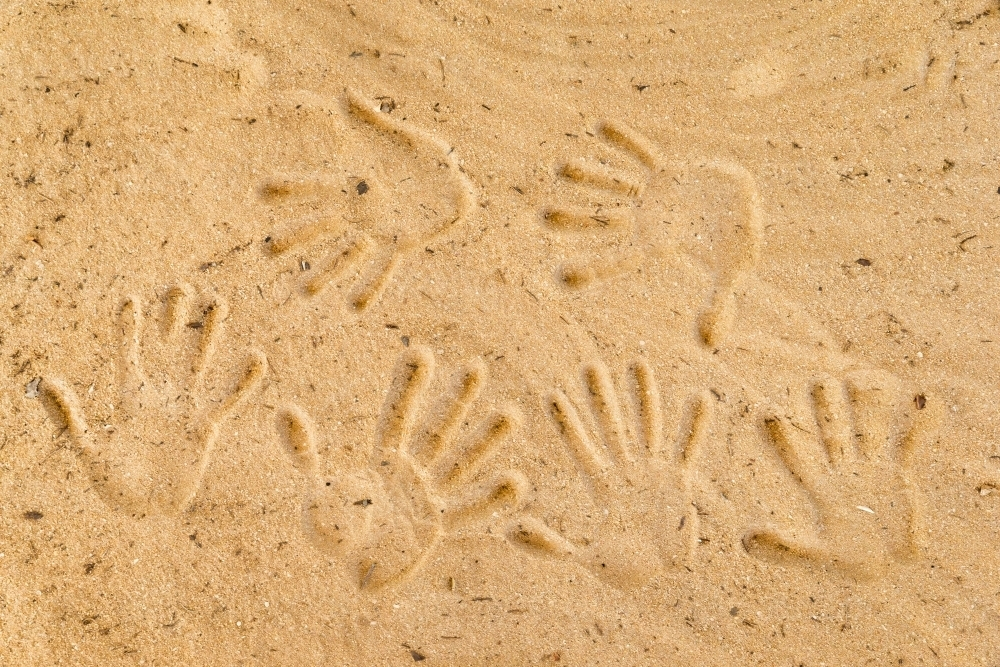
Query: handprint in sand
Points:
[854, 457]
[148, 448]
[399, 188]
[630, 209]
[422, 480]
[642, 481]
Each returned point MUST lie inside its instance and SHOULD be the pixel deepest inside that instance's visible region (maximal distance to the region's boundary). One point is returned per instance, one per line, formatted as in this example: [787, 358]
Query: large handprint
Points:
[384, 520]
[402, 188]
[642, 484]
[855, 460]
[155, 442]
[636, 205]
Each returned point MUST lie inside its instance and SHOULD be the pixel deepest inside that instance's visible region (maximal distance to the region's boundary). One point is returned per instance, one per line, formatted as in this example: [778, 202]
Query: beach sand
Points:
[507, 333]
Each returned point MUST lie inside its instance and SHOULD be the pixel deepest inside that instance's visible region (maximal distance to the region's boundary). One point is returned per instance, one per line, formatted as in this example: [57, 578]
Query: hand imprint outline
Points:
[374, 231]
[638, 210]
[385, 520]
[147, 478]
[861, 430]
[630, 470]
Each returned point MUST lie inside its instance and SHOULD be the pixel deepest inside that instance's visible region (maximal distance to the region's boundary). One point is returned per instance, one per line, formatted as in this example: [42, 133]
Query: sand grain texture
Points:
[495, 332]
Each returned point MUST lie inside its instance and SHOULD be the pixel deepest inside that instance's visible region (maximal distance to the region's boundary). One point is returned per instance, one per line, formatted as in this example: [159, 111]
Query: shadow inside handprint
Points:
[643, 486]
[393, 188]
[420, 484]
[632, 210]
[155, 442]
[854, 458]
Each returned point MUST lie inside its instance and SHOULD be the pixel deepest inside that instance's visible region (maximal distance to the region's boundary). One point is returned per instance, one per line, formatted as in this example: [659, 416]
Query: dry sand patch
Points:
[499, 333]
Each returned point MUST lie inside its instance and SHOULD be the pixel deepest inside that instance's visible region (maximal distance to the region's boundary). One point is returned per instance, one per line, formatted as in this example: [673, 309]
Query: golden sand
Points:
[507, 333]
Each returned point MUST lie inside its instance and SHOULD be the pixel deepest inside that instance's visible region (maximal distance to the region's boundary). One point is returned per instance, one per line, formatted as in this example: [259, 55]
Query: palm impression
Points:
[630, 210]
[641, 482]
[352, 224]
[422, 480]
[854, 458]
[149, 449]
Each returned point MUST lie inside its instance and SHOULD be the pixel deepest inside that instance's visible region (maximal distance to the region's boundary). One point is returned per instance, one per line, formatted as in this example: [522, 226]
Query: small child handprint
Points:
[642, 483]
[854, 459]
[636, 212]
[384, 520]
[403, 188]
[153, 449]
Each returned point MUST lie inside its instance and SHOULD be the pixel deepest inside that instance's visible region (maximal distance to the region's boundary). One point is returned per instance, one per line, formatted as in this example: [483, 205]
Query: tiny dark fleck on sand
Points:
[31, 391]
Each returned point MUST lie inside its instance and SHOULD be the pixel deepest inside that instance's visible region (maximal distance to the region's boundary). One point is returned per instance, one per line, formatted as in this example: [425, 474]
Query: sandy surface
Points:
[485, 332]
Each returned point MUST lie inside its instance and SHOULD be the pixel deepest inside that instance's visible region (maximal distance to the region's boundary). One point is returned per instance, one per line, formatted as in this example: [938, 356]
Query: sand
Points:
[467, 333]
